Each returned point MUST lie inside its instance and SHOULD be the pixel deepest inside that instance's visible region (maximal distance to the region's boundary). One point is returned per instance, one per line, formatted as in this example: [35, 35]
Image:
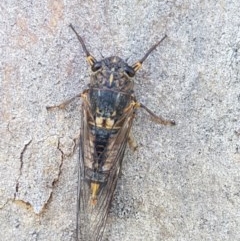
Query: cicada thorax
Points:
[110, 94]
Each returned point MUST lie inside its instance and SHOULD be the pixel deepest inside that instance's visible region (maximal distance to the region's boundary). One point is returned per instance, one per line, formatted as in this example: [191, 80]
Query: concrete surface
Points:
[183, 183]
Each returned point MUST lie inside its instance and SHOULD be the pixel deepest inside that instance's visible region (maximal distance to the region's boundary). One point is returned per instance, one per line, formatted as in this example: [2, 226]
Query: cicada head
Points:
[113, 73]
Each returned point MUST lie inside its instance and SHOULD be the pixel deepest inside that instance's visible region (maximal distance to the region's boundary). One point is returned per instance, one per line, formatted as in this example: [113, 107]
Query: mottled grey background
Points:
[183, 182]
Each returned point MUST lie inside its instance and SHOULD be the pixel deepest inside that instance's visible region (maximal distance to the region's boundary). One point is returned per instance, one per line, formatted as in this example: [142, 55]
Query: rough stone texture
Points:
[183, 183]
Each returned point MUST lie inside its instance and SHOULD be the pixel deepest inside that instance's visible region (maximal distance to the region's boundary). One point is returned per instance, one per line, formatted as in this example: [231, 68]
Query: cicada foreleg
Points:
[157, 119]
[132, 142]
[65, 103]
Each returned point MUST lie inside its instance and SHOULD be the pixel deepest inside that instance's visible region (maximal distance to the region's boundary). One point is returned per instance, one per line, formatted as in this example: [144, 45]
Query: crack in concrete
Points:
[60, 166]
[55, 181]
[76, 142]
[21, 167]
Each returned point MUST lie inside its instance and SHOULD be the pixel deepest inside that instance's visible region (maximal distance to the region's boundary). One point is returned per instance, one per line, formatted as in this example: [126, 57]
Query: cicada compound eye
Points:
[130, 71]
[96, 66]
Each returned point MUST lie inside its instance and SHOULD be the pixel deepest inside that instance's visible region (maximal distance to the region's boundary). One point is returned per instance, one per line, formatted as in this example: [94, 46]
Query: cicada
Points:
[108, 110]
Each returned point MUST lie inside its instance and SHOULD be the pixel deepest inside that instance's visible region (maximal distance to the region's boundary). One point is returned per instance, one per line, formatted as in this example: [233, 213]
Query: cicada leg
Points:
[64, 104]
[132, 142]
[156, 118]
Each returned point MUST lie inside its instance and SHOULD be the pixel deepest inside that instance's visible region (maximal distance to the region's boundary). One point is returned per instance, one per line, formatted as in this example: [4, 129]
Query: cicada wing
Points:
[92, 218]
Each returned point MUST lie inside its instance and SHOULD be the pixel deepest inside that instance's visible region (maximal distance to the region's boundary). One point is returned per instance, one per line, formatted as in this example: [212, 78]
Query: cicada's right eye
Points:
[130, 71]
[96, 66]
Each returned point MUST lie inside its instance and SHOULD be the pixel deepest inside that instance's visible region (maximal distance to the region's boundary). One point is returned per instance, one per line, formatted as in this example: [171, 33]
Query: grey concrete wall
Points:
[183, 182]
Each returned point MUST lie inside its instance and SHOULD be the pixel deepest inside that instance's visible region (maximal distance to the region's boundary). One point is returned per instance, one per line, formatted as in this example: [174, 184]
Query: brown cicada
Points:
[108, 110]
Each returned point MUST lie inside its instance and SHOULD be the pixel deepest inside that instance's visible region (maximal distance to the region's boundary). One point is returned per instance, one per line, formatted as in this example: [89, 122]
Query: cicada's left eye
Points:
[129, 71]
[96, 66]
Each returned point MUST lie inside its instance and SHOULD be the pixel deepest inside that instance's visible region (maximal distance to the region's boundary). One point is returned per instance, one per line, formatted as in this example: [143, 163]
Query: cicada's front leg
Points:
[158, 119]
[65, 103]
[132, 142]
